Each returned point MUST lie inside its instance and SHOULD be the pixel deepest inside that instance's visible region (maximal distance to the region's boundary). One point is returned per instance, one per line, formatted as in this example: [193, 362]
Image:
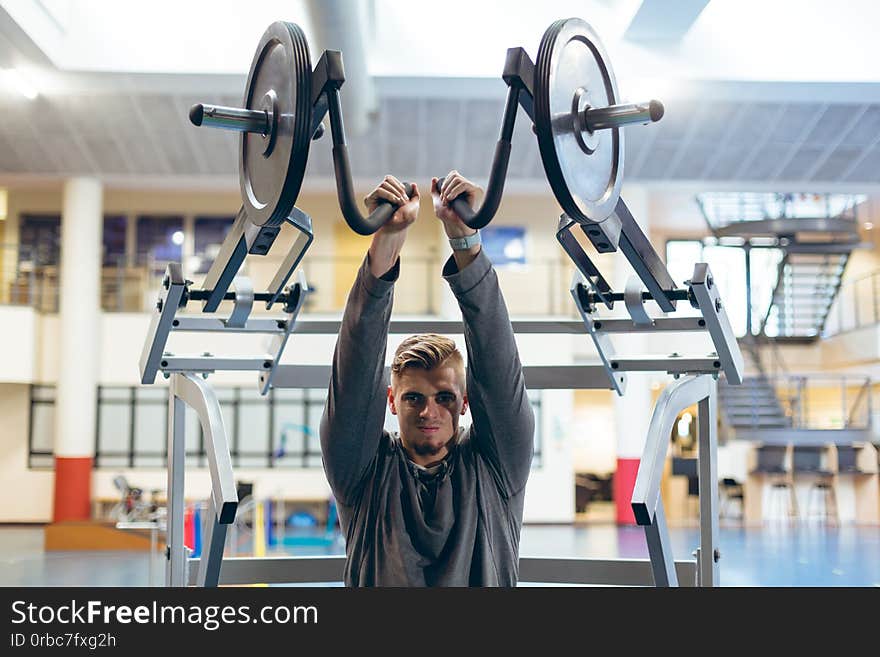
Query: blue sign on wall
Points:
[505, 245]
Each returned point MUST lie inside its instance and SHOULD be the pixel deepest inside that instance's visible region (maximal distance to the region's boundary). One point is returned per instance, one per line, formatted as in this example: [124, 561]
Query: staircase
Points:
[778, 407]
[814, 233]
[806, 286]
[752, 405]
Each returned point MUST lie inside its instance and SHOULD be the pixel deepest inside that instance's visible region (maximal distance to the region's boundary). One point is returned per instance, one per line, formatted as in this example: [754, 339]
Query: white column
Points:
[632, 412]
[188, 248]
[81, 224]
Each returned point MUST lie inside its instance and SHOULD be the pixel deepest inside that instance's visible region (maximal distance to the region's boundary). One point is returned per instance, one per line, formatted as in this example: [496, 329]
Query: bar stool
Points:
[731, 499]
[781, 502]
[822, 502]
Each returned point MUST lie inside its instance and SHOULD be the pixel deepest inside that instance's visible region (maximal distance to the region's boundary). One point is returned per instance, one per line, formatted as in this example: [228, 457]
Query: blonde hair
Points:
[428, 351]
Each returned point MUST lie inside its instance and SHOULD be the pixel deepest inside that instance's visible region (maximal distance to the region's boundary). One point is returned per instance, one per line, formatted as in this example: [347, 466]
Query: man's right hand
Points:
[388, 240]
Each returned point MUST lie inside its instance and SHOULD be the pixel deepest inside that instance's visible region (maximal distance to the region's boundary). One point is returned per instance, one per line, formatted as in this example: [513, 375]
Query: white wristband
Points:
[465, 243]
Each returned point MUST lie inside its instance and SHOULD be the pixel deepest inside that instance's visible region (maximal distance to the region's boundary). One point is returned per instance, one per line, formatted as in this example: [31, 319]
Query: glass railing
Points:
[539, 288]
[824, 401]
[721, 209]
[857, 305]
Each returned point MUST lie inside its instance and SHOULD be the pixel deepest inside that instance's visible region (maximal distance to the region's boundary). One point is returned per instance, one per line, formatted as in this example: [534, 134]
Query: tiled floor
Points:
[768, 556]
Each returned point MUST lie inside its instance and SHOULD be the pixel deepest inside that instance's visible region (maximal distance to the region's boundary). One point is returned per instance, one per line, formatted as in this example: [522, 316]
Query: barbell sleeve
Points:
[617, 116]
[230, 118]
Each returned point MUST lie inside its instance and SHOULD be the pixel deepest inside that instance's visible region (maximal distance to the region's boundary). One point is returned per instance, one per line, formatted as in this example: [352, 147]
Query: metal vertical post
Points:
[708, 481]
[748, 263]
[120, 285]
[874, 297]
[802, 395]
[213, 542]
[660, 549]
[175, 568]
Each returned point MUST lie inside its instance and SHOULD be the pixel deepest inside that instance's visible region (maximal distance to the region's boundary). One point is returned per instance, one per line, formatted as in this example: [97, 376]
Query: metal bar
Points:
[660, 549]
[874, 298]
[212, 364]
[202, 398]
[618, 116]
[672, 364]
[723, 337]
[748, 265]
[303, 224]
[568, 377]
[328, 569]
[161, 323]
[210, 324]
[674, 399]
[279, 341]
[519, 71]
[602, 342]
[814, 437]
[175, 555]
[582, 261]
[538, 377]
[708, 487]
[659, 324]
[244, 301]
[547, 377]
[644, 259]
[232, 253]
[211, 561]
[230, 118]
[217, 325]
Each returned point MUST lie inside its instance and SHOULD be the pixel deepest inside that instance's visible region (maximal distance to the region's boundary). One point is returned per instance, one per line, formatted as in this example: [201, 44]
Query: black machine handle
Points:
[347, 203]
[494, 190]
[327, 78]
[342, 168]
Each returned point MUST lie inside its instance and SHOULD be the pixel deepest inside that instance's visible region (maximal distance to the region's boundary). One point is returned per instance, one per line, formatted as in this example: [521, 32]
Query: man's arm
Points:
[504, 424]
[351, 426]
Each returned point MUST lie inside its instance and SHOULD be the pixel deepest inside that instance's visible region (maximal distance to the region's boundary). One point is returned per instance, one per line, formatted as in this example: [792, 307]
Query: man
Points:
[434, 504]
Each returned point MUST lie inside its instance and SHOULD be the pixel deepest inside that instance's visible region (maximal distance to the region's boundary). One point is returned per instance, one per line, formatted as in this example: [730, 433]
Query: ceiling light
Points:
[19, 82]
[868, 225]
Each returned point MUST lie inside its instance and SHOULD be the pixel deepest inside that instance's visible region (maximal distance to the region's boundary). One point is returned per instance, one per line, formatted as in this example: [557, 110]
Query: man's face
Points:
[428, 405]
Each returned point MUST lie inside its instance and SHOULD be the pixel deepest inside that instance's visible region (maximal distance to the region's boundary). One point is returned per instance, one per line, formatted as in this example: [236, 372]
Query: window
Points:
[278, 430]
[505, 245]
[296, 419]
[535, 399]
[209, 235]
[159, 239]
[728, 265]
[113, 240]
[39, 240]
[41, 428]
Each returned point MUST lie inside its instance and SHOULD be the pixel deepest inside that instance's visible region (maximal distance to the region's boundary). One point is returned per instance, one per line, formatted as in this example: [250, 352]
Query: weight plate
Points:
[271, 167]
[585, 169]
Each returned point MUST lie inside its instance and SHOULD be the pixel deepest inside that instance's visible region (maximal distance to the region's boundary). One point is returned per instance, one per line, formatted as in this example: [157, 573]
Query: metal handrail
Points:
[129, 287]
[848, 291]
[863, 394]
[793, 393]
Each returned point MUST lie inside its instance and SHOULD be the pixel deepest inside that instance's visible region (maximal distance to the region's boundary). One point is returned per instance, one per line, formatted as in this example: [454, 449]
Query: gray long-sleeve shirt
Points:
[460, 526]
